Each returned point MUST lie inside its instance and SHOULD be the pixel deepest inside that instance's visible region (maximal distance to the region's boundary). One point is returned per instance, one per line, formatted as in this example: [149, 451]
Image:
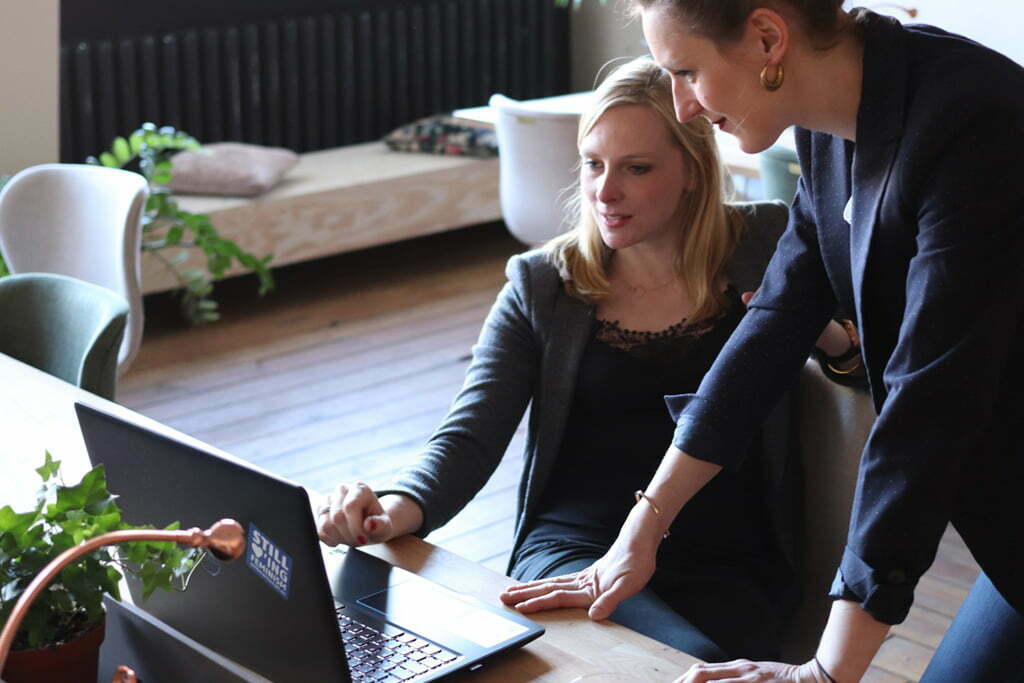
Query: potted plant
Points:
[168, 230]
[59, 638]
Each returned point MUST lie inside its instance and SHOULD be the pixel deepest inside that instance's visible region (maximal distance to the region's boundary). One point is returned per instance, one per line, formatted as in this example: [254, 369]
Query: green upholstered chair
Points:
[69, 328]
[780, 172]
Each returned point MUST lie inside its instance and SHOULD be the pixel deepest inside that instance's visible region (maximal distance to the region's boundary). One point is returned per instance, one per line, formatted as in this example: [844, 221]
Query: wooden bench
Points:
[344, 199]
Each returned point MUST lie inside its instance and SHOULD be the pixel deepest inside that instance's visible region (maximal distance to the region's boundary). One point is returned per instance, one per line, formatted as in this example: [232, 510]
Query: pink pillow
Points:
[230, 168]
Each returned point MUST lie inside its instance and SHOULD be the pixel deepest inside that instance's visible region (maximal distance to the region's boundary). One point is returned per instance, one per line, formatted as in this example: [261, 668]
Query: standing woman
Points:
[907, 220]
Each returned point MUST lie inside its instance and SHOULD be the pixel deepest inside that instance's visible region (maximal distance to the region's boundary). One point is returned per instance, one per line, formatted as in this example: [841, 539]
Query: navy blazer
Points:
[929, 267]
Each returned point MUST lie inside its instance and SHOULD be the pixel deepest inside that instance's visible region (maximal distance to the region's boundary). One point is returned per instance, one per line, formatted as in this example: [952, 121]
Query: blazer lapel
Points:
[880, 120]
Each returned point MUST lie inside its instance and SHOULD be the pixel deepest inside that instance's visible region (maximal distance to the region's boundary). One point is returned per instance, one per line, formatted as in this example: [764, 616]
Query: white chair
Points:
[81, 221]
[538, 158]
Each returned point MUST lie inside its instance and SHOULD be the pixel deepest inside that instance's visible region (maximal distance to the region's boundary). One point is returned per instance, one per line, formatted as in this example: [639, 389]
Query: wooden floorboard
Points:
[346, 370]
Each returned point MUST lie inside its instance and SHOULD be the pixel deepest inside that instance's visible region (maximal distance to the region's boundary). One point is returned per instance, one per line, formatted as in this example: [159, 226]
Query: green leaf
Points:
[108, 160]
[135, 142]
[49, 468]
[122, 151]
[174, 235]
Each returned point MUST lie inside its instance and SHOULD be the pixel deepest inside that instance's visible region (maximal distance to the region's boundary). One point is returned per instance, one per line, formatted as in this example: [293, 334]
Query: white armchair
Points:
[538, 159]
[81, 221]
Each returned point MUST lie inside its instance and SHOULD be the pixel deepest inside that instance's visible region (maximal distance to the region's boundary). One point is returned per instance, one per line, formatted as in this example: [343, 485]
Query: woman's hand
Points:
[353, 515]
[745, 671]
[620, 574]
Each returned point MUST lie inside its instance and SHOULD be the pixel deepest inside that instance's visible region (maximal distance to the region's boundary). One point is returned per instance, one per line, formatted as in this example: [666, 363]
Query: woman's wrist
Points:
[835, 340]
[405, 513]
[644, 529]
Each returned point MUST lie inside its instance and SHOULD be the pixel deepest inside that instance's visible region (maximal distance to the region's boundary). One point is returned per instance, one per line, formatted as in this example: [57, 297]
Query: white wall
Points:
[600, 32]
[29, 82]
[998, 24]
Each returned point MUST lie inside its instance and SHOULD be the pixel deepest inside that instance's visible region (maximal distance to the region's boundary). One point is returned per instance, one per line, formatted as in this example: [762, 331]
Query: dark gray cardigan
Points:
[529, 349]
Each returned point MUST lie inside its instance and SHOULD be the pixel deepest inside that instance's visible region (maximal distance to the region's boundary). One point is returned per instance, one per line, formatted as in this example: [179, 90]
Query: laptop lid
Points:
[274, 610]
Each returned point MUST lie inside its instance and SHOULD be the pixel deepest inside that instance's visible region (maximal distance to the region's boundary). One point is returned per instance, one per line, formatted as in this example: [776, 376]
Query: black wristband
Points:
[821, 667]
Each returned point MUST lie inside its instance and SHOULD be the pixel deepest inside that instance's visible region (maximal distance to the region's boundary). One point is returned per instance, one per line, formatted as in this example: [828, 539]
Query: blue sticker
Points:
[271, 563]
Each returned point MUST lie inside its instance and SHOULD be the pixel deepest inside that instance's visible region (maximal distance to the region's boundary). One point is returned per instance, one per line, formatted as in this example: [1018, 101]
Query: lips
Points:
[615, 220]
[721, 123]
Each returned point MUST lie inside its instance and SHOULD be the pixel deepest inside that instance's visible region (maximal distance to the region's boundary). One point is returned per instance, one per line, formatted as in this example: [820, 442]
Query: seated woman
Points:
[633, 303]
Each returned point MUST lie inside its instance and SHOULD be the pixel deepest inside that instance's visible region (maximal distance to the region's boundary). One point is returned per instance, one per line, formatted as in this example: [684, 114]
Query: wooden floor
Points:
[345, 370]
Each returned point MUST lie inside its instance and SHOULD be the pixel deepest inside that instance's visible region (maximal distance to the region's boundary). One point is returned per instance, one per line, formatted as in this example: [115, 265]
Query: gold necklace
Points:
[641, 291]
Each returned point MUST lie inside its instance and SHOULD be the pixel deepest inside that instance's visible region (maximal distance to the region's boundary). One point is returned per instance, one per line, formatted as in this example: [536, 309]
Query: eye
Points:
[639, 169]
[689, 75]
[591, 164]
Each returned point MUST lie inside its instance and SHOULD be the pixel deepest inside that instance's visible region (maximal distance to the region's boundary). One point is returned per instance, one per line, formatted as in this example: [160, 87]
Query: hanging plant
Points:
[169, 232]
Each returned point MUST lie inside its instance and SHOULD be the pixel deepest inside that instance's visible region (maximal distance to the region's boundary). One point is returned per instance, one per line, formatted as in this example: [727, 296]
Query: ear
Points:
[771, 32]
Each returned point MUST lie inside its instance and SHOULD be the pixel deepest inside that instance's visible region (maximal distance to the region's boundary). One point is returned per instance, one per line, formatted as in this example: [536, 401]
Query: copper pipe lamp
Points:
[225, 539]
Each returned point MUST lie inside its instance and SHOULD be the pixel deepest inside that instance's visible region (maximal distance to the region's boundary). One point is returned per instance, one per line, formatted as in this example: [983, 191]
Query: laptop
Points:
[281, 610]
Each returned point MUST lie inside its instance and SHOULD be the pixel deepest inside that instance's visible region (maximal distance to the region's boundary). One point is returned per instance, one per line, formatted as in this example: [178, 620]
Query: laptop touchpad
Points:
[423, 607]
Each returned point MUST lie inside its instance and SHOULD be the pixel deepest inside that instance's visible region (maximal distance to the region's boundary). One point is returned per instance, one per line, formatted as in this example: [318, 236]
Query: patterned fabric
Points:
[444, 134]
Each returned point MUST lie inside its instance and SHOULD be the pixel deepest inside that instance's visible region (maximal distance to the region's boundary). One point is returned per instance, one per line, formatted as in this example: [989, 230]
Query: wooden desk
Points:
[37, 413]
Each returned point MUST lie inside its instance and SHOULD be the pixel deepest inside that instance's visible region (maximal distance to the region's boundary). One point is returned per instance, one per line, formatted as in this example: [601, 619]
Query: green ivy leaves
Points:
[63, 517]
[165, 226]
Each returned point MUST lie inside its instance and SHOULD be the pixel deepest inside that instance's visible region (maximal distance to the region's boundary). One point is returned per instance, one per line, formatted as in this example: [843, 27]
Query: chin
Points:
[614, 241]
[754, 143]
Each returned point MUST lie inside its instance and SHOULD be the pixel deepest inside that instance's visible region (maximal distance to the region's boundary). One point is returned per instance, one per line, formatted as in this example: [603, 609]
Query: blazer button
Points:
[897, 576]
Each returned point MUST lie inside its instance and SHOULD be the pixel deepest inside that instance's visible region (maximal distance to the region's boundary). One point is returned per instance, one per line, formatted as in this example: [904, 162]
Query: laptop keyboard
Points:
[389, 656]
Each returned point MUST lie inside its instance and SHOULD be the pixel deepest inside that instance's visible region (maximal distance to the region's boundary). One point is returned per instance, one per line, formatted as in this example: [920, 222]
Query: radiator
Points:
[312, 81]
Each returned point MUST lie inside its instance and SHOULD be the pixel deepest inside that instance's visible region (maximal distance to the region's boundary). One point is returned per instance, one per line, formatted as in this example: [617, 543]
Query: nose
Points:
[608, 190]
[685, 104]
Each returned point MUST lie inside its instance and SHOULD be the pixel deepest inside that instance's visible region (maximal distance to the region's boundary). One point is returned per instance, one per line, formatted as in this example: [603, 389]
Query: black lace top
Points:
[618, 430]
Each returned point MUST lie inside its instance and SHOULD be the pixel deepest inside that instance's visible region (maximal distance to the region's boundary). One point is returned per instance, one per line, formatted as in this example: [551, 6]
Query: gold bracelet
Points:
[848, 370]
[640, 495]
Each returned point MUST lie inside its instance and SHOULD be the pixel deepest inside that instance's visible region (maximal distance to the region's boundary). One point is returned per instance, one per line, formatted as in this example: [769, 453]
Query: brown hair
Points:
[721, 21]
[708, 229]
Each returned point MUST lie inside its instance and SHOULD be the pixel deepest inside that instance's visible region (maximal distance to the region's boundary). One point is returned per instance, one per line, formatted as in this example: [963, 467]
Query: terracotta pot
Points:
[72, 662]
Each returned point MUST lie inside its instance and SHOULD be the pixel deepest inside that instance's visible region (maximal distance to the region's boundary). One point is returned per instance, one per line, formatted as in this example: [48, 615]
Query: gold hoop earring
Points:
[775, 83]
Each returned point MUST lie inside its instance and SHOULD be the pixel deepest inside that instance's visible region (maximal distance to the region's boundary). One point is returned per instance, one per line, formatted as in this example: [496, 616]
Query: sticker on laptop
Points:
[272, 564]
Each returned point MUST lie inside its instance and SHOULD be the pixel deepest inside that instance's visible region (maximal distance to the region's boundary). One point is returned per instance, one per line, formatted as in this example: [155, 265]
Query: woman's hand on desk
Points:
[599, 588]
[621, 573]
[745, 670]
[353, 515]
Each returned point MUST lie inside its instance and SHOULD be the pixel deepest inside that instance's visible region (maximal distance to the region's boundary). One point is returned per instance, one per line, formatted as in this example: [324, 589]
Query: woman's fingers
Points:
[514, 595]
[326, 529]
[555, 599]
[608, 600]
[744, 670]
[721, 672]
[354, 516]
[355, 507]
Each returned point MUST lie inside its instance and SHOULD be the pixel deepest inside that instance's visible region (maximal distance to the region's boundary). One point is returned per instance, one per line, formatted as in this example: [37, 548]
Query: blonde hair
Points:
[708, 229]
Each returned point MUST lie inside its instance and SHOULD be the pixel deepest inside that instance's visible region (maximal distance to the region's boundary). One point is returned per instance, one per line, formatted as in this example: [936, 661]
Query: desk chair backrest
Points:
[833, 423]
[80, 221]
[538, 160]
[780, 173]
[66, 327]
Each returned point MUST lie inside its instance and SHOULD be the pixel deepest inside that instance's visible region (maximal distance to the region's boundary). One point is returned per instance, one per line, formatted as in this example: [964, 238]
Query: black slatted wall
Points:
[337, 73]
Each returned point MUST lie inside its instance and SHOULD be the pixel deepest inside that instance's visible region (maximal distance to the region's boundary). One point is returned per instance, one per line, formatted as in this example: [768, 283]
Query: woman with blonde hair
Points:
[634, 302]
